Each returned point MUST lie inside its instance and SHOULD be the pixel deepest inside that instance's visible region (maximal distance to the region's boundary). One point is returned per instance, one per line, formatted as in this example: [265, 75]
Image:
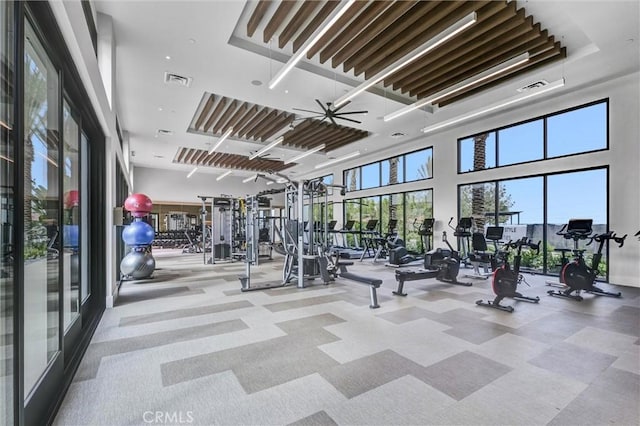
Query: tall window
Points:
[418, 206]
[565, 202]
[7, 191]
[576, 131]
[518, 206]
[41, 209]
[419, 165]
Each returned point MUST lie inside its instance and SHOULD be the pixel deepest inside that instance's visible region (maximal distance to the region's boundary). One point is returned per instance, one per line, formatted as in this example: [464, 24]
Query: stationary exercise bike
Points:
[506, 280]
[578, 276]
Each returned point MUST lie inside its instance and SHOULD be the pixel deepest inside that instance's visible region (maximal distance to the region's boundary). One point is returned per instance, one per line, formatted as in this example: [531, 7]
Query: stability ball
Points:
[71, 235]
[71, 199]
[138, 204]
[138, 265]
[138, 233]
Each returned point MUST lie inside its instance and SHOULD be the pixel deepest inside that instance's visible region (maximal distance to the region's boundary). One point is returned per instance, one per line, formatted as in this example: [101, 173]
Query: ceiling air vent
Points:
[176, 79]
[534, 85]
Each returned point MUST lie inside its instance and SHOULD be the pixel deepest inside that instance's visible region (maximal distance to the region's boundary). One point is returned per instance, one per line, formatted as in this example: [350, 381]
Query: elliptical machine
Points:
[578, 276]
[506, 280]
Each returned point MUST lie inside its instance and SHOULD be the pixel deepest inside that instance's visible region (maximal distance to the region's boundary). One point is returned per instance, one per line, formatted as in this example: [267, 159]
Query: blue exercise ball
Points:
[71, 235]
[137, 265]
[139, 233]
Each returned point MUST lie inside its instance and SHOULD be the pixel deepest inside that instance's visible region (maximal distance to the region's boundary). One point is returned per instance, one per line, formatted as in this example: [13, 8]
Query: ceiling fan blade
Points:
[306, 110]
[342, 106]
[348, 119]
[321, 106]
[352, 112]
[332, 120]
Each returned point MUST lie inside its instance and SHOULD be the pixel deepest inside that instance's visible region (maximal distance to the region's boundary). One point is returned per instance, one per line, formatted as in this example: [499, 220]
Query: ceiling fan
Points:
[331, 114]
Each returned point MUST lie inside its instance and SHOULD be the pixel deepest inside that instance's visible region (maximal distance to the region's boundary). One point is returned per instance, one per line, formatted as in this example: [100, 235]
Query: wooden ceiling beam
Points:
[241, 122]
[301, 16]
[257, 129]
[359, 25]
[377, 27]
[413, 38]
[343, 21]
[256, 16]
[248, 120]
[235, 118]
[556, 54]
[255, 121]
[412, 17]
[277, 124]
[205, 111]
[188, 158]
[316, 21]
[290, 135]
[277, 19]
[201, 157]
[488, 18]
[216, 112]
[451, 73]
[308, 134]
[459, 63]
[225, 116]
[181, 155]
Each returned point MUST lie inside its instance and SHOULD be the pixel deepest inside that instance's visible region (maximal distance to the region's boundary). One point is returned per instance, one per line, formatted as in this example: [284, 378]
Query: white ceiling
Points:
[602, 40]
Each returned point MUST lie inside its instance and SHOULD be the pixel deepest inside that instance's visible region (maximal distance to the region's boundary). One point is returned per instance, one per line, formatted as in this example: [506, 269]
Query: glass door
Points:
[41, 211]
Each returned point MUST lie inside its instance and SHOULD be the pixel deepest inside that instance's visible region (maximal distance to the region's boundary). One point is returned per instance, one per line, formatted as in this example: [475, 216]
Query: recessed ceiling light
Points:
[286, 91]
[192, 40]
[256, 82]
[159, 108]
[168, 58]
[164, 132]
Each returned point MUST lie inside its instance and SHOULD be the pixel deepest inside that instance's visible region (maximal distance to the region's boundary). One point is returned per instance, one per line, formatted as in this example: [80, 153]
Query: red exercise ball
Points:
[71, 199]
[138, 204]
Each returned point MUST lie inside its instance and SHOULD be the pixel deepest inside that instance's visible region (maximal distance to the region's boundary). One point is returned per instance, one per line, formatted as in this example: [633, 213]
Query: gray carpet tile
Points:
[462, 374]
[321, 418]
[556, 327]
[302, 303]
[576, 362]
[96, 351]
[139, 295]
[183, 313]
[261, 365]
[610, 399]
[367, 373]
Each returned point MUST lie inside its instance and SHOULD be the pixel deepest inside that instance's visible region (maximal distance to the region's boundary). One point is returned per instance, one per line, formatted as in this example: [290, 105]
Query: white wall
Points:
[174, 187]
[623, 159]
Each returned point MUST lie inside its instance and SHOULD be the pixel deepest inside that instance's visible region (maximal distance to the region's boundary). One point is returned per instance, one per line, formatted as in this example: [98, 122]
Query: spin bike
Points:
[506, 280]
[578, 276]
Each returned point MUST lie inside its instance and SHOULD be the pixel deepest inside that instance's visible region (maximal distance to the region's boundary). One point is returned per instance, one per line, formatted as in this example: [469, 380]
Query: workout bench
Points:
[373, 283]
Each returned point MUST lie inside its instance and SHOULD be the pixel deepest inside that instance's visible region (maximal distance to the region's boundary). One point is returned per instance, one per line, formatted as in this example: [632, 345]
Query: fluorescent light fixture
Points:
[304, 154]
[192, 172]
[337, 160]
[485, 75]
[519, 98]
[267, 148]
[250, 178]
[222, 139]
[224, 175]
[318, 33]
[428, 46]
[270, 182]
